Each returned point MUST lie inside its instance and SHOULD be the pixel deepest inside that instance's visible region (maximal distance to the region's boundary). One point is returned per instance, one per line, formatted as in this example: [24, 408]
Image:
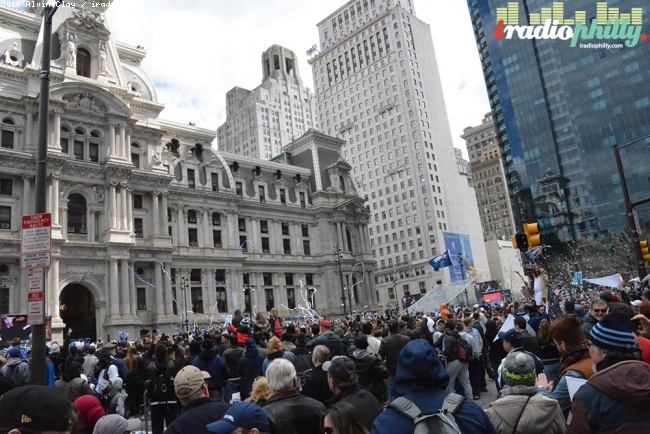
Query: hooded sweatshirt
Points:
[422, 378]
[250, 367]
[17, 370]
[539, 415]
[214, 365]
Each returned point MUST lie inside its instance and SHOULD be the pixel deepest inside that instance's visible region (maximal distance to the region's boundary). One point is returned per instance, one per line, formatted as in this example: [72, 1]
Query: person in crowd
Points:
[371, 371]
[90, 360]
[326, 337]
[303, 357]
[134, 383]
[33, 409]
[249, 367]
[343, 418]
[275, 324]
[473, 336]
[288, 340]
[597, 312]
[244, 416]
[512, 341]
[17, 369]
[540, 283]
[212, 363]
[455, 368]
[548, 352]
[521, 408]
[109, 385]
[389, 350]
[288, 411]
[530, 343]
[617, 397]
[343, 382]
[231, 356]
[496, 352]
[275, 350]
[422, 379]
[195, 350]
[88, 410]
[644, 343]
[162, 400]
[317, 386]
[261, 324]
[261, 392]
[116, 424]
[198, 408]
[71, 385]
[575, 361]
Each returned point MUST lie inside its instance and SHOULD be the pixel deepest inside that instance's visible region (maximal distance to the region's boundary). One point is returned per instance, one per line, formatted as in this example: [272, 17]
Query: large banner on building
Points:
[459, 249]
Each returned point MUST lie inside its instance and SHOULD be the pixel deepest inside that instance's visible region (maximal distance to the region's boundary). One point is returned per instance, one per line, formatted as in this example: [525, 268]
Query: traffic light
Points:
[519, 241]
[532, 234]
[645, 252]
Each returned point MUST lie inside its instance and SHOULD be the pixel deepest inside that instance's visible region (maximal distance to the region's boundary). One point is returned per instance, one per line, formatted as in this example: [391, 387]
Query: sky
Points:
[197, 50]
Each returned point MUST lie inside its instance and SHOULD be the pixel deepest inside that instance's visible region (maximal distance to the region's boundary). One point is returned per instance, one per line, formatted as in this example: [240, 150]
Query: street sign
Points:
[35, 310]
[36, 240]
[36, 279]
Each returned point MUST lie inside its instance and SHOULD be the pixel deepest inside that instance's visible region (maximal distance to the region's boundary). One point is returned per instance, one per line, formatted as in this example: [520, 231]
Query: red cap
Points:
[326, 323]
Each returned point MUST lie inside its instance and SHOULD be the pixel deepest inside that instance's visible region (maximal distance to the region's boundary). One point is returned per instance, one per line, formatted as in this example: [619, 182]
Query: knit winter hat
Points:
[519, 369]
[89, 407]
[614, 333]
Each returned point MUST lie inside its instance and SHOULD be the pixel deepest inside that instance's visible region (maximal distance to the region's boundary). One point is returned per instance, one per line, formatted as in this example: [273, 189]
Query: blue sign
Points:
[460, 250]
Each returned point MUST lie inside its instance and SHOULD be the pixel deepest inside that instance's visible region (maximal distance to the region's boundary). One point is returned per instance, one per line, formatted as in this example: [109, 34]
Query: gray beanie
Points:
[519, 369]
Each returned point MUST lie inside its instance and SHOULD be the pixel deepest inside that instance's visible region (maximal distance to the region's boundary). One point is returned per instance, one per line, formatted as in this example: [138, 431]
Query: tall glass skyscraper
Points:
[559, 109]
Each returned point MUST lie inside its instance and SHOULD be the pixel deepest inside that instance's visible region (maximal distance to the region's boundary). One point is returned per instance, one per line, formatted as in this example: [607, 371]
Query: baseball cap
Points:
[15, 352]
[36, 408]
[512, 336]
[250, 343]
[189, 380]
[326, 323]
[115, 424]
[476, 306]
[340, 368]
[636, 303]
[109, 346]
[245, 415]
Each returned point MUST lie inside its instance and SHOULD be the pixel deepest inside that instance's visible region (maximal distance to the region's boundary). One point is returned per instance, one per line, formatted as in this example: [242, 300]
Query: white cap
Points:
[636, 303]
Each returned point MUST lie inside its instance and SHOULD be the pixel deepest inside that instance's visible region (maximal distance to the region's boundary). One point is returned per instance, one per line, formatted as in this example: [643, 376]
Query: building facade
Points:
[151, 227]
[505, 265]
[260, 122]
[377, 87]
[488, 180]
[463, 164]
[558, 110]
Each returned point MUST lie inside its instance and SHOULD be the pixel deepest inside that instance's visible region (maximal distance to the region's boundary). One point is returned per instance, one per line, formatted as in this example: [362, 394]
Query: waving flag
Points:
[534, 253]
[441, 261]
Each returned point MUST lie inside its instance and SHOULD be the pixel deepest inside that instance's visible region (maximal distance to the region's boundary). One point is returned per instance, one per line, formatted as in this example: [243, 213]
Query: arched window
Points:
[83, 62]
[8, 133]
[348, 235]
[342, 184]
[77, 221]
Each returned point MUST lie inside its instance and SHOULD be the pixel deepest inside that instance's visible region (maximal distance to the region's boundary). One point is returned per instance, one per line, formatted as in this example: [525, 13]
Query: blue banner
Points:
[460, 251]
[441, 261]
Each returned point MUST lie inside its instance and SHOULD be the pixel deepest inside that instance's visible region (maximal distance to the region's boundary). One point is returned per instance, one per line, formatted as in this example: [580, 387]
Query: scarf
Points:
[572, 355]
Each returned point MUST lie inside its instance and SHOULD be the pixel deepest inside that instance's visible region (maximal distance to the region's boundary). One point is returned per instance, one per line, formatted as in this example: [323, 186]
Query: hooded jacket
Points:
[249, 367]
[214, 365]
[422, 378]
[370, 370]
[541, 414]
[18, 371]
[614, 400]
[277, 355]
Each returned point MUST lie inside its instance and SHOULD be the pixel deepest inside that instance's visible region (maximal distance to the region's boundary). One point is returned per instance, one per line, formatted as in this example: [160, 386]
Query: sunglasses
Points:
[600, 310]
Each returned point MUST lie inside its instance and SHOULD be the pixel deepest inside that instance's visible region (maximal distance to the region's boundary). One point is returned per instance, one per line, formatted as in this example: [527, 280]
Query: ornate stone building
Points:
[151, 226]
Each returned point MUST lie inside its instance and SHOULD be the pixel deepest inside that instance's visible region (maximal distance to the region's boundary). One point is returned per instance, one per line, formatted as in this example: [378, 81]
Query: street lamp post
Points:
[629, 207]
[185, 284]
[462, 274]
[337, 252]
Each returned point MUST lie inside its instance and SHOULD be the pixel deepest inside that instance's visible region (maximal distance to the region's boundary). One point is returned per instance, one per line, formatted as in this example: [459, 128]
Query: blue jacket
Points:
[422, 378]
[249, 368]
[214, 365]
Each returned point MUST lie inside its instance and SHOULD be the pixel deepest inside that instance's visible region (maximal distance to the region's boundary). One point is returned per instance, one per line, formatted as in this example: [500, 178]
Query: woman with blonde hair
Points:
[261, 392]
[275, 350]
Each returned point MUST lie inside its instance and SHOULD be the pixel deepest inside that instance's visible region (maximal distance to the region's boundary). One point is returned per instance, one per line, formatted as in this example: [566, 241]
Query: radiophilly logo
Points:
[549, 23]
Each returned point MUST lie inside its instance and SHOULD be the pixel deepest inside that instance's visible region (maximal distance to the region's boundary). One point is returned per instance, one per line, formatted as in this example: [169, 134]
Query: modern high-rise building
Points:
[559, 109]
[489, 180]
[260, 122]
[378, 88]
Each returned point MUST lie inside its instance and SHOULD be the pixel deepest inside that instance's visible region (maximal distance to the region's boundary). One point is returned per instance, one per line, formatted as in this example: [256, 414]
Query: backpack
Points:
[161, 387]
[122, 370]
[441, 421]
[464, 350]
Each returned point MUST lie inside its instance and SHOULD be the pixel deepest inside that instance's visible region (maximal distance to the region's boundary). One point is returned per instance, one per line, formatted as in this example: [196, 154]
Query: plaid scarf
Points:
[573, 355]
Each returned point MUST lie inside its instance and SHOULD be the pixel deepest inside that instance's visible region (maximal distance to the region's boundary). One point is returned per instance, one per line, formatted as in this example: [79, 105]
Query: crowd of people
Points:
[386, 373]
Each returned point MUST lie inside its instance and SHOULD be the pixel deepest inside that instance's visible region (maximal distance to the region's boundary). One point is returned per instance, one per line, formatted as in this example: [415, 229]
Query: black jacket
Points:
[196, 415]
[303, 360]
[390, 348]
[249, 367]
[232, 356]
[365, 402]
[370, 370]
[292, 413]
[316, 386]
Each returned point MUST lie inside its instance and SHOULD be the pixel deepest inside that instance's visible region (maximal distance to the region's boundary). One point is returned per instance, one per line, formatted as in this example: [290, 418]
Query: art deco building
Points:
[150, 225]
[260, 122]
[378, 88]
[488, 180]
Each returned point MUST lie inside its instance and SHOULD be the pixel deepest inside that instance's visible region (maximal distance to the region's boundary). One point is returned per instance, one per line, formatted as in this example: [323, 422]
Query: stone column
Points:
[50, 195]
[156, 213]
[29, 125]
[362, 239]
[55, 198]
[113, 288]
[133, 292]
[167, 286]
[233, 230]
[129, 209]
[112, 198]
[57, 129]
[182, 236]
[339, 235]
[53, 280]
[111, 139]
[121, 146]
[64, 220]
[207, 232]
[127, 143]
[27, 199]
[158, 282]
[124, 287]
[91, 225]
[254, 230]
[123, 206]
[163, 214]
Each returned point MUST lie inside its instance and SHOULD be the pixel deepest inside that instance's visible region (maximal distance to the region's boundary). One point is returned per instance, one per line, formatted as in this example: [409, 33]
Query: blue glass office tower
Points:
[559, 110]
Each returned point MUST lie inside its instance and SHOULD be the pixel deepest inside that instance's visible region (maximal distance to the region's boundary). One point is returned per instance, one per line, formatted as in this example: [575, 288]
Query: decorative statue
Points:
[173, 146]
[70, 50]
[102, 57]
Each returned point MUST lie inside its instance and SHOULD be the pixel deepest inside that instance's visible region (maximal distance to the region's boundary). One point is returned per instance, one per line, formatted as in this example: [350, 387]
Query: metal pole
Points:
[184, 285]
[349, 280]
[629, 211]
[39, 373]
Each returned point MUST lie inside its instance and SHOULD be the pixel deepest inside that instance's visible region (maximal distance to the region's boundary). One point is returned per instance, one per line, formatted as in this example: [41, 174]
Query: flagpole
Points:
[462, 274]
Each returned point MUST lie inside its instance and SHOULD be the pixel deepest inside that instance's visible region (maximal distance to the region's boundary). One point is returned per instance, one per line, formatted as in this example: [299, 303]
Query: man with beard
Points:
[598, 311]
[540, 283]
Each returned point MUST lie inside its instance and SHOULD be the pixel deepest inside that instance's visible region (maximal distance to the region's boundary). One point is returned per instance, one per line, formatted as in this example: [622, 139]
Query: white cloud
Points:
[198, 50]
